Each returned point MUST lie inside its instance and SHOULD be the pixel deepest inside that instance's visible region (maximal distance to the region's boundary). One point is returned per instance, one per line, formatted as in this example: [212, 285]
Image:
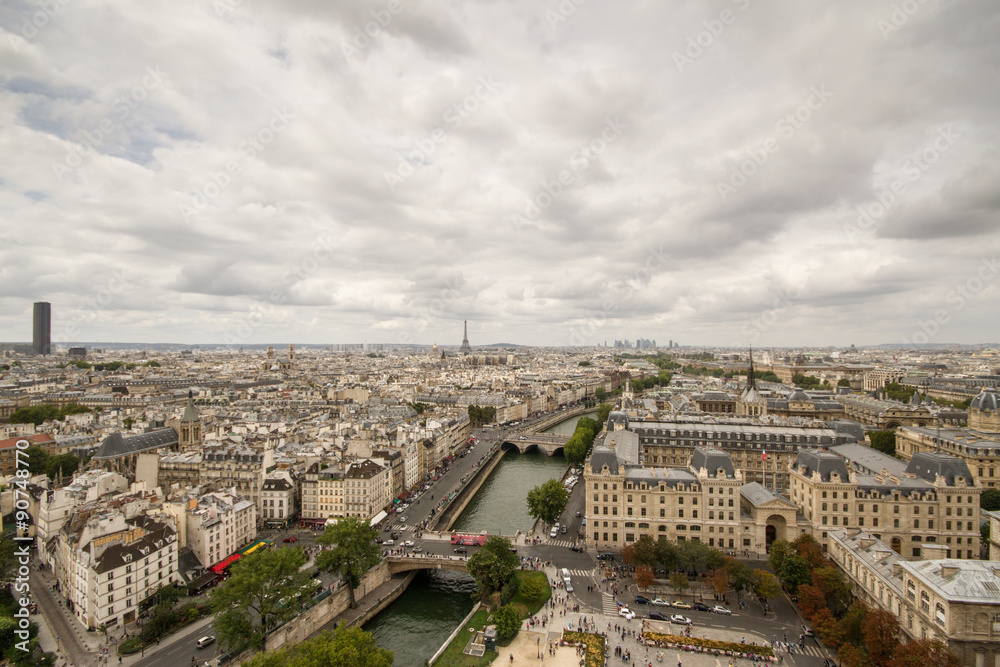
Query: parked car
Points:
[719, 609]
[656, 616]
[461, 550]
[660, 602]
[290, 539]
[829, 663]
[683, 620]
[641, 599]
[680, 604]
[205, 641]
[807, 632]
[625, 612]
[701, 606]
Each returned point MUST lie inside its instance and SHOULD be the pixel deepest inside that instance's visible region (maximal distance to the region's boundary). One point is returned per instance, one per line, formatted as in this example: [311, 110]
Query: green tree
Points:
[679, 582]
[884, 441]
[354, 551]
[780, 550]
[35, 414]
[493, 565]
[547, 501]
[479, 415]
[254, 599]
[600, 393]
[65, 463]
[990, 500]
[805, 381]
[37, 458]
[603, 410]
[740, 576]
[128, 423]
[533, 589]
[575, 450]
[666, 555]
[583, 363]
[794, 572]
[881, 633]
[343, 647]
[843, 382]
[766, 585]
[645, 550]
[508, 622]
[925, 653]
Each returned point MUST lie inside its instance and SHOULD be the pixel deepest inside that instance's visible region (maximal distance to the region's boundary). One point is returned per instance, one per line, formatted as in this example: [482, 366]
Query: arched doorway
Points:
[897, 545]
[775, 529]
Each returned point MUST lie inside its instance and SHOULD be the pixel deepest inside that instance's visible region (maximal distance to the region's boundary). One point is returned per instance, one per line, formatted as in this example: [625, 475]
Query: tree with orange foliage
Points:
[628, 555]
[644, 577]
[853, 656]
[719, 580]
[881, 632]
[925, 653]
[811, 600]
[807, 547]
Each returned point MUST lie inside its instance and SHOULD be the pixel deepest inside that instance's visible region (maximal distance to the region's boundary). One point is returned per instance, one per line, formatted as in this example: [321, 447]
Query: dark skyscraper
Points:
[41, 341]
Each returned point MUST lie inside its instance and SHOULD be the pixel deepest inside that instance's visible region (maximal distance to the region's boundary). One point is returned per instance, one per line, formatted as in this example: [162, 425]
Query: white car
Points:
[683, 620]
[719, 609]
[388, 543]
[659, 602]
[627, 613]
[407, 543]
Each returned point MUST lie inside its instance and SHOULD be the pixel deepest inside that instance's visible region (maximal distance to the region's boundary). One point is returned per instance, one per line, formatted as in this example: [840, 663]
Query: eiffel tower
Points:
[466, 348]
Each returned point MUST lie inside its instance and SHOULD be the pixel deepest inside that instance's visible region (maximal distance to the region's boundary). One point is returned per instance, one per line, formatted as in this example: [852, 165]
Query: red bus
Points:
[469, 539]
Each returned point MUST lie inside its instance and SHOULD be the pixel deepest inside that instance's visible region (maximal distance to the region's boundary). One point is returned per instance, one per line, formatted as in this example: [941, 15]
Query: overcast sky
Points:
[728, 172]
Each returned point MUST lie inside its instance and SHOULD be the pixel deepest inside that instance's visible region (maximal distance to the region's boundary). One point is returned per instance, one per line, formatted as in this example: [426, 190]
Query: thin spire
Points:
[751, 378]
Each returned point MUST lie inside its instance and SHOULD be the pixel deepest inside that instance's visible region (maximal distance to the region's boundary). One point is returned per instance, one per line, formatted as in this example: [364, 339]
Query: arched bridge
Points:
[400, 564]
[550, 443]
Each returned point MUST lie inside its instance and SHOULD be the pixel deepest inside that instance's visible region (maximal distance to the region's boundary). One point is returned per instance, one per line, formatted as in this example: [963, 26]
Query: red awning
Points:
[226, 563]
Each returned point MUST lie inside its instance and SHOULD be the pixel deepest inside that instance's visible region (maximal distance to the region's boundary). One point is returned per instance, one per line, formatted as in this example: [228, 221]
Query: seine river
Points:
[416, 624]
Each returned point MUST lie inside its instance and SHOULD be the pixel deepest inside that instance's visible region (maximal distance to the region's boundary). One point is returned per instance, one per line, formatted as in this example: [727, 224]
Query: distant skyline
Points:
[717, 173]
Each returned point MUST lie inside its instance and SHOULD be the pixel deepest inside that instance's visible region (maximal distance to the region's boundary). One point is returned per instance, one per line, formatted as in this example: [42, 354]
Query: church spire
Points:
[751, 378]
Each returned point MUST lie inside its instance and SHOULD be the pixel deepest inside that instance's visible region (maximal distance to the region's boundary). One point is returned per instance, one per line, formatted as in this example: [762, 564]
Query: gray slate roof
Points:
[713, 460]
[757, 494]
[116, 445]
[928, 465]
[823, 462]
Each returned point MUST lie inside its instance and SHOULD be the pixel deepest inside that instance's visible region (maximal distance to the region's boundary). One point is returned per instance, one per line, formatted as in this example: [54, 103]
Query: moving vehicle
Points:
[469, 539]
[680, 604]
[656, 616]
[205, 641]
[417, 550]
[605, 556]
[641, 599]
[625, 612]
[553, 532]
[407, 543]
[719, 609]
[660, 602]
[461, 550]
[288, 540]
[563, 530]
[683, 620]
[389, 543]
[807, 632]
[701, 606]
[576, 548]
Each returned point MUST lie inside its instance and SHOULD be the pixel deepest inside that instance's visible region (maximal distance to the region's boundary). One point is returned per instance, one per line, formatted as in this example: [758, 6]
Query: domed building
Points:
[984, 411]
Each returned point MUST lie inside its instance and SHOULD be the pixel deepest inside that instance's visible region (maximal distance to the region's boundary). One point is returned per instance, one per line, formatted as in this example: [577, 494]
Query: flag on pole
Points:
[763, 456]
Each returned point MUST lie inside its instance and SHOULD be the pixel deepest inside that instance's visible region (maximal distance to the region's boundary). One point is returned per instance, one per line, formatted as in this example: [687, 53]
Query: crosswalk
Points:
[581, 573]
[608, 605]
[559, 543]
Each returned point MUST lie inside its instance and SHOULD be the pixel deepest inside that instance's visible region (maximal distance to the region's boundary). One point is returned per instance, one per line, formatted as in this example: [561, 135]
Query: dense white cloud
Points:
[557, 173]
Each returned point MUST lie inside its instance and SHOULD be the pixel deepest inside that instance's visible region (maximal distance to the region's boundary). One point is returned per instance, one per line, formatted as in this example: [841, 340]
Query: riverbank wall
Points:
[446, 519]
